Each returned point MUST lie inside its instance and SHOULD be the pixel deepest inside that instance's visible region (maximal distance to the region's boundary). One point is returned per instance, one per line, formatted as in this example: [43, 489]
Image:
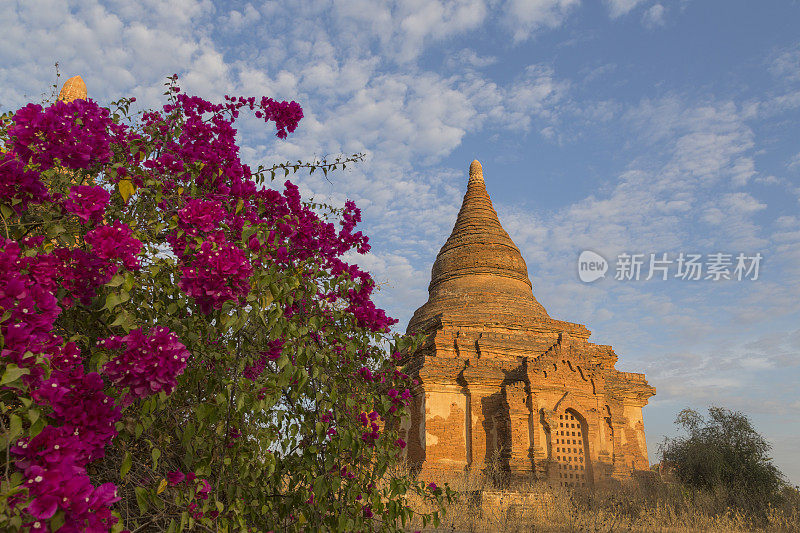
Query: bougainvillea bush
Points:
[182, 347]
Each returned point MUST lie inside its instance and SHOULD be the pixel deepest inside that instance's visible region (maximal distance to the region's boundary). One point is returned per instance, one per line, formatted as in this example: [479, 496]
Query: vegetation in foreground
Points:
[184, 347]
[653, 506]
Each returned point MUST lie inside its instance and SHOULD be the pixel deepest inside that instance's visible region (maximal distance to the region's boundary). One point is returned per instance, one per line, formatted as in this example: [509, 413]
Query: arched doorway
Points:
[572, 450]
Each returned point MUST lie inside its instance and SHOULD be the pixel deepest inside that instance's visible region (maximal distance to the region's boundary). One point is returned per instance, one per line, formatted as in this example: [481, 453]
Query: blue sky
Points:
[638, 126]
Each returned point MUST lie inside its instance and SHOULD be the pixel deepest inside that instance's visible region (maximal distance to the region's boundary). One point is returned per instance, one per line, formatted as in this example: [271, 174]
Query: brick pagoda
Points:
[501, 381]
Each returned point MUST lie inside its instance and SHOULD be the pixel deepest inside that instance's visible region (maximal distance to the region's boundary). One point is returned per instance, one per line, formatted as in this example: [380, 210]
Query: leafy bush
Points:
[727, 456]
[181, 348]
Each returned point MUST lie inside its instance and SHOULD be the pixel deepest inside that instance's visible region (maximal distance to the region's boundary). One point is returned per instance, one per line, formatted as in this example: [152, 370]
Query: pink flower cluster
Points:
[373, 430]
[149, 364]
[226, 194]
[87, 202]
[81, 415]
[201, 215]
[76, 135]
[285, 114]
[216, 274]
[116, 243]
[80, 273]
[217, 200]
[201, 490]
[19, 183]
[398, 399]
[35, 285]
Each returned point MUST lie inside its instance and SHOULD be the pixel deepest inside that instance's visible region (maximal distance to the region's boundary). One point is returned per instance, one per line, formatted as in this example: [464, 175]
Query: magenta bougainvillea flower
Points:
[222, 231]
[87, 202]
[148, 364]
[201, 215]
[216, 274]
[115, 242]
[176, 477]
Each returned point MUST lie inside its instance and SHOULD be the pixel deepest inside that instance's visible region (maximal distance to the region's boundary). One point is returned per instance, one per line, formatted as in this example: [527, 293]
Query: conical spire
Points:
[479, 272]
[73, 89]
[475, 172]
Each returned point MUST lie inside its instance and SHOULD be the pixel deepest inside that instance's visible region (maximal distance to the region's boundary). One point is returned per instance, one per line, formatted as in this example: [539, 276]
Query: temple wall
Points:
[445, 430]
[477, 405]
[415, 433]
[635, 447]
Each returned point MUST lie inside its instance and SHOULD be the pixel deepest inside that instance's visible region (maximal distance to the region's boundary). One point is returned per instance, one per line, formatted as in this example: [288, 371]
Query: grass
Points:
[648, 505]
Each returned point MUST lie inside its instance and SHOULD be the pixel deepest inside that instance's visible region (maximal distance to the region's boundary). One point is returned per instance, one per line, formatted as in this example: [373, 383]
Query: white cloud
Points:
[617, 8]
[525, 17]
[786, 64]
[654, 16]
[794, 162]
[709, 142]
[469, 58]
[403, 28]
[118, 49]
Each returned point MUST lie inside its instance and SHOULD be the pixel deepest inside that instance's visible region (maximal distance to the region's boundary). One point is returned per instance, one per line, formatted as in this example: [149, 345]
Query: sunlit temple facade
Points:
[501, 382]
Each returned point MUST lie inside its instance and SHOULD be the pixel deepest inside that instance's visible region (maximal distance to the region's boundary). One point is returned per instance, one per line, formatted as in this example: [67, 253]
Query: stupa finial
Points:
[475, 171]
[73, 89]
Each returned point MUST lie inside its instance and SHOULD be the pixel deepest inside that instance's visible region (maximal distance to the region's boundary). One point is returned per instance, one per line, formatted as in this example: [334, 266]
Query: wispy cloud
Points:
[654, 16]
[524, 17]
[617, 8]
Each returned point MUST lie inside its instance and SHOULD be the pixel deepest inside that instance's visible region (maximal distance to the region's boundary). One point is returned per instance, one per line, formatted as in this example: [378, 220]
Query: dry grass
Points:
[649, 506]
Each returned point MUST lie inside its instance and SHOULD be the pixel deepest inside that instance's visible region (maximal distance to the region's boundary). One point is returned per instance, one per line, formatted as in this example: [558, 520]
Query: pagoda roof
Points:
[479, 274]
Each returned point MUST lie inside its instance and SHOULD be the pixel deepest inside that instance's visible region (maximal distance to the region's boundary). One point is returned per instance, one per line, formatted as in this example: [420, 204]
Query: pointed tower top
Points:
[475, 171]
[73, 89]
[479, 273]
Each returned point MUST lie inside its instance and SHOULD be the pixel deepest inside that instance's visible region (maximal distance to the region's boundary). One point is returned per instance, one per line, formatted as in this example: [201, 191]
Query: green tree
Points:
[724, 454]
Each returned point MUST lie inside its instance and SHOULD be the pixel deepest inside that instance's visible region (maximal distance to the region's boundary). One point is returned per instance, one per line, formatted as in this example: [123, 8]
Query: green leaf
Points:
[116, 281]
[125, 320]
[127, 461]
[15, 428]
[13, 373]
[55, 230]
[36, 427]
[7, 211]
[112, 300]
[141, 498]
[320, 487]
[57, 521]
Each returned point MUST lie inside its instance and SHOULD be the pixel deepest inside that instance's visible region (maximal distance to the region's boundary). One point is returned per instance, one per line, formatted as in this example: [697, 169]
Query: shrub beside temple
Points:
[183, 347]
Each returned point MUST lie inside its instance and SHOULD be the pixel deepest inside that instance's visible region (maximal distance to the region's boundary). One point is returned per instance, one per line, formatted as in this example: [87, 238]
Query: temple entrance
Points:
[572, 451]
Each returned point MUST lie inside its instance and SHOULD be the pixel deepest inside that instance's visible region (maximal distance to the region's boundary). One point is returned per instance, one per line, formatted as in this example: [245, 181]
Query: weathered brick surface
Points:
[73, 89]
[501, 381]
